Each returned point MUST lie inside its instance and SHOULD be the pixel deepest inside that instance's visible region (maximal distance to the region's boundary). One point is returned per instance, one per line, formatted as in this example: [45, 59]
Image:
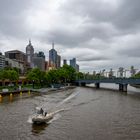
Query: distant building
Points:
[18, 56]
[39, 61]
[14, 64]
[30, 54]
[77, 68]
[54, 59]
[74, 65]
[58, 61]
[2, 61]
[64, 62]
[46, 66]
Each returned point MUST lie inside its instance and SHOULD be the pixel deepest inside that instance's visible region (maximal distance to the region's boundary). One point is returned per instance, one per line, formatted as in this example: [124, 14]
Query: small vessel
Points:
[40, 117]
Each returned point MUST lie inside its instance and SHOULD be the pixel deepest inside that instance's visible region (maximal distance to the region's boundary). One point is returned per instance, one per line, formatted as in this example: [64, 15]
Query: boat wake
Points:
[67, 99]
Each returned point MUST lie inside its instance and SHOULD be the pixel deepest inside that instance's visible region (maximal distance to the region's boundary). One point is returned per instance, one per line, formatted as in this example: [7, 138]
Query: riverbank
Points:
[32, 90]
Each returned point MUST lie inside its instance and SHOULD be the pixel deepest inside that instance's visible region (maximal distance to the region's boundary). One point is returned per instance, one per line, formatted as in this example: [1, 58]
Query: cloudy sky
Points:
[101, 34]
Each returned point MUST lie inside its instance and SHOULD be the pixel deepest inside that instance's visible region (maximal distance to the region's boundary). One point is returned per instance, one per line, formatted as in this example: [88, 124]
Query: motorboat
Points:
[41, 117]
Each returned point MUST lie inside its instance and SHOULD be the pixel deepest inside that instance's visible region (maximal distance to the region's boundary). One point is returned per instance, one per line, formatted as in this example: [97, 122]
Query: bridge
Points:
[123, 82]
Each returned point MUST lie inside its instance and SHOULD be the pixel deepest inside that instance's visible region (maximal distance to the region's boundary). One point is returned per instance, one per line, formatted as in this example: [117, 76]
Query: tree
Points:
[36, 75]
[70, 73]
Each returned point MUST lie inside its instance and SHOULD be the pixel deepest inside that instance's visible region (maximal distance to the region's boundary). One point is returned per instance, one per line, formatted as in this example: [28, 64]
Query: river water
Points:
[86, 114]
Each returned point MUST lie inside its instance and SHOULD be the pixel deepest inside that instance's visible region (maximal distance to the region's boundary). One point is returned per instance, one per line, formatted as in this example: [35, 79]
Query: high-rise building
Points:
[39, 61]
[30, 54]
[54, 58]
[2, 61]
[64, 62]
[74, 65]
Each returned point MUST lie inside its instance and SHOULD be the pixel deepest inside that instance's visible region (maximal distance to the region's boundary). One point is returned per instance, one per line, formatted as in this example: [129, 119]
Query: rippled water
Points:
[86, 114]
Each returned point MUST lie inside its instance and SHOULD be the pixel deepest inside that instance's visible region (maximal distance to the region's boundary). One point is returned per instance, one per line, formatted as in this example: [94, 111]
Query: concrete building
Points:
[14, 64]
[39, 61]
[30, 54]
[17, 56]
[2, 61]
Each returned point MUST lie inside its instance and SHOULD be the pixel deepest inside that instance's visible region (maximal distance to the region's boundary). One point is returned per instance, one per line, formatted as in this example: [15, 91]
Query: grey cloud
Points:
[12, 17]
[127, 16]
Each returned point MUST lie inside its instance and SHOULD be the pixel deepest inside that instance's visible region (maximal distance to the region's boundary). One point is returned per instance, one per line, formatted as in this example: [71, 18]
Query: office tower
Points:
[39, 61]
[53, 57]
[73, 63]
[30, 54]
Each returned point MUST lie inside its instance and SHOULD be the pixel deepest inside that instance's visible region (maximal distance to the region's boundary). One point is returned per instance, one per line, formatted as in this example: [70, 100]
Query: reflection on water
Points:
[38, 128]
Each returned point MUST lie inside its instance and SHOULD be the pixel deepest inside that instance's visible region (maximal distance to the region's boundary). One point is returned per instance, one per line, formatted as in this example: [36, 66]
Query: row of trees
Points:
[65, 74]
[9, 74]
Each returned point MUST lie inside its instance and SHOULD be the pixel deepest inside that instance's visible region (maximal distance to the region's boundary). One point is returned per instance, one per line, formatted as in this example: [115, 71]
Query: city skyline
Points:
[100, 34]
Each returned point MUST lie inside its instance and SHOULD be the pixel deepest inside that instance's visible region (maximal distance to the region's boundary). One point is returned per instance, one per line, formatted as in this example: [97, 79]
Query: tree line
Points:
[65, 74]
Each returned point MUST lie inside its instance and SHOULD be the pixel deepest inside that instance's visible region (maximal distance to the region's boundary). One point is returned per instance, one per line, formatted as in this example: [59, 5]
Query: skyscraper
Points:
[53, 57]
[74, 65]
[30, 53]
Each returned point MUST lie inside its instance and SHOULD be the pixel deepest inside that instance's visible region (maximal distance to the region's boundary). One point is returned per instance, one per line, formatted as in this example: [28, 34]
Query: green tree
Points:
[36, 75]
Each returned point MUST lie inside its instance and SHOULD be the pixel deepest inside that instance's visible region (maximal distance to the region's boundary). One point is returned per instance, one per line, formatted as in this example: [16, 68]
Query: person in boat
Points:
[41, 111]
[45, 113]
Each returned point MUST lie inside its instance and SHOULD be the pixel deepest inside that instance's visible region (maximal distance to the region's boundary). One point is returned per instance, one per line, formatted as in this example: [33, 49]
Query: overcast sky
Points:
[101, 34]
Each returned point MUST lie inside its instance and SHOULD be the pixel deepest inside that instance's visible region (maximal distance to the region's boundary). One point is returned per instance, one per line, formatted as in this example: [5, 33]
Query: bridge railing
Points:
[110, 80]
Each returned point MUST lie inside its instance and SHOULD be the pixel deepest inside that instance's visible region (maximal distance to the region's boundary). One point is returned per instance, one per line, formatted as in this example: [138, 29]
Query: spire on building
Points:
[53, 45]
[29, 41]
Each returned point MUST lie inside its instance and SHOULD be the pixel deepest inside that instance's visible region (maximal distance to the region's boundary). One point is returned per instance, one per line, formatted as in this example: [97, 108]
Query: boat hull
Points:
[42, 119]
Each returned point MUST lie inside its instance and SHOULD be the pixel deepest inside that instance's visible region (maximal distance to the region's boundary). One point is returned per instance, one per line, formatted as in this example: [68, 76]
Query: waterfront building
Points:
[30, 54]
[18, 56]
[14, 64]
[2, 61]
[39, 61]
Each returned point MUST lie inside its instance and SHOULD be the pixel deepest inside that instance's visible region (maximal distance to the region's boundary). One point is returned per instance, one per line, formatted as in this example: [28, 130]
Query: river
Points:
[86, 114]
